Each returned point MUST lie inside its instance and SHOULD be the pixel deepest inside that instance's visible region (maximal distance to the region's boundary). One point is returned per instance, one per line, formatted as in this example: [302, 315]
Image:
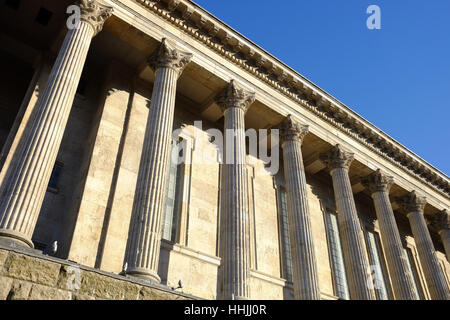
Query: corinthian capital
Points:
[412, 202]
[167, 57]
[234, 97]
[94, 13]
[291, 130]
[337, 158]
[377, 182]
[441, 220]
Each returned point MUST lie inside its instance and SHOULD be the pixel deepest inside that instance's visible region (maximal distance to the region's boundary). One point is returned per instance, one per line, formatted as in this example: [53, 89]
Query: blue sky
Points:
[398, 78]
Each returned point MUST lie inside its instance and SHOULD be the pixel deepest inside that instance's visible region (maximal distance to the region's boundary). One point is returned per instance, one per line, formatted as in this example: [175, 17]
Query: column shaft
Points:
[427, 255]
[144, 238]
[236, 240]
[304, 264]
[401, 277]
[445, 237]
[441, 223]
[150, 194]
[234, 237]
[355, 258]
[25, 182]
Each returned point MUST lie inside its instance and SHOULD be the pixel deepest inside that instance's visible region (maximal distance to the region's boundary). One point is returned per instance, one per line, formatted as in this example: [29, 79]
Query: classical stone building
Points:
[89, 104]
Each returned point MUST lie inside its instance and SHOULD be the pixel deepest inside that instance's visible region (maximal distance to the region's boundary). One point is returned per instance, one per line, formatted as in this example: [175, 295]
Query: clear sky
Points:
[398, 77]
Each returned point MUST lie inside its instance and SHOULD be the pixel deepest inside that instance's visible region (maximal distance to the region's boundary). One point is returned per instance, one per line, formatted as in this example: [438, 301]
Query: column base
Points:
[144, 273]
[240, 298]
[16, 237]
[230, 298]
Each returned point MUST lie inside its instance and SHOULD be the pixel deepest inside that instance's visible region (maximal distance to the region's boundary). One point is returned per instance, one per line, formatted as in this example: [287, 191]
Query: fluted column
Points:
[304, 264]
[144, 238]
[441, 222]
[26, 179]
[413, 205]
[355, 258]
[234, 238]
[401, 277]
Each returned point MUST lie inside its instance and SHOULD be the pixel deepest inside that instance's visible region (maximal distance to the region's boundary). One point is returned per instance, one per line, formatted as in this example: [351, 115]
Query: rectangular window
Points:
[173, 194]
[336, 256]
[53, 185]
[412, 268]
[284, 234]
[378, 268]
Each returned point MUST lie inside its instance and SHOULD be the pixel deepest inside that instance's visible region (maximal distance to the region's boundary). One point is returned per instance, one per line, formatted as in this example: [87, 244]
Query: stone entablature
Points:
[204, 27]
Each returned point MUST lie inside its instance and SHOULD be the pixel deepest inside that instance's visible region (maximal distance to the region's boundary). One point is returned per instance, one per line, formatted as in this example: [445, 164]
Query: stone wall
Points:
[25, 275]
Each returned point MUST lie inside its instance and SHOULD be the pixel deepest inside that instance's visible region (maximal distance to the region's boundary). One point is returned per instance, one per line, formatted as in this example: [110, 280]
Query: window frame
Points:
[285, 257]
[180, 213]
[346, 295]
[381, 257]
[54, 188]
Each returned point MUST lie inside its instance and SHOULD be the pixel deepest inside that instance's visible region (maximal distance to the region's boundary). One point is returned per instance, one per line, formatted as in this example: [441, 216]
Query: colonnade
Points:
[26, 179]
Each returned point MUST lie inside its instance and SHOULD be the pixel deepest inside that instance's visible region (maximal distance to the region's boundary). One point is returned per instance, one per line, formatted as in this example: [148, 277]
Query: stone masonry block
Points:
[3, 255]
[40, 292]
[147, 293]
[102, 287]
[5, 287]
[19, 290]
[31, 269]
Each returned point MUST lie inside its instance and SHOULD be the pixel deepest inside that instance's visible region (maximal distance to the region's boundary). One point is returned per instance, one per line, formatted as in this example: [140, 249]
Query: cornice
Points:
[221, 38]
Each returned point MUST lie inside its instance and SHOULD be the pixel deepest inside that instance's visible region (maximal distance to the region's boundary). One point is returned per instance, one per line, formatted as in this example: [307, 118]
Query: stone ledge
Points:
[27, 275]
[180, 249]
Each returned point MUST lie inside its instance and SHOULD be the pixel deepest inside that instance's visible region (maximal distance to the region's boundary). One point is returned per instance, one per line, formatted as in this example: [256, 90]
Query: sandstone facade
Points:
[86, 161]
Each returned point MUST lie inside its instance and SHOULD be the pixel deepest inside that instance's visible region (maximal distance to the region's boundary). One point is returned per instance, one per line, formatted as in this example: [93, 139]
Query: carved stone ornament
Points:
[167, 57]
[291, 130]
[377, 182]
[337, 158]
[234, 97]
[441, 220]
[412, 203]
[94, 13]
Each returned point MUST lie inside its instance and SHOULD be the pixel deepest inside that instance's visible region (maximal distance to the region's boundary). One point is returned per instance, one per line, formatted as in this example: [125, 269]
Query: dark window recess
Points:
[14, 4]
[54, 178]
[44, 17]
[82, 87]
[39, 245]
